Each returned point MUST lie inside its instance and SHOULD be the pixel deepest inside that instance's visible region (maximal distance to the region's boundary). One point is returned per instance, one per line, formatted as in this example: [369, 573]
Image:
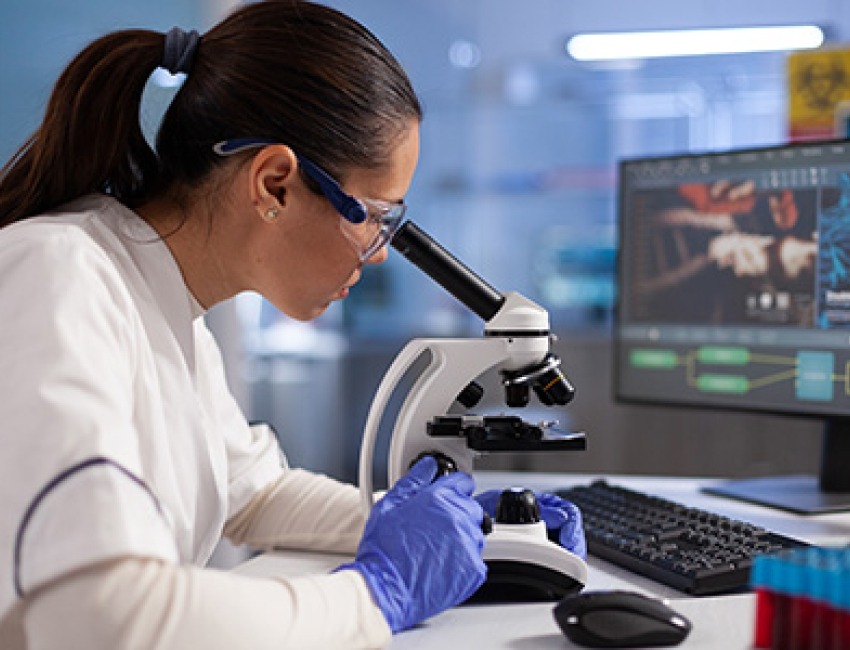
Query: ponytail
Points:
[287, 71]
[90, 139]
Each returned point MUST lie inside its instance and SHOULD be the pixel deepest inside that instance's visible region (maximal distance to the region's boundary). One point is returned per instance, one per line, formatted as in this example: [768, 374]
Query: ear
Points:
[269, 176]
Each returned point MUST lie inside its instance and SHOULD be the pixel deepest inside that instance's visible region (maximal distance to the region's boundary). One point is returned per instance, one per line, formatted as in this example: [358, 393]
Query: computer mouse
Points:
[619, 619]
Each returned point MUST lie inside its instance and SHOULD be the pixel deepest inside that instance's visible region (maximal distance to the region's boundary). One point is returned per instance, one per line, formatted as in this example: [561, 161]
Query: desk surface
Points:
[718, 622]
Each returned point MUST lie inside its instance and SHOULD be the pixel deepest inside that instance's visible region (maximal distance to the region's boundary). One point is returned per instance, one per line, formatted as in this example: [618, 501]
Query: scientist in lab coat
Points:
[123, 457]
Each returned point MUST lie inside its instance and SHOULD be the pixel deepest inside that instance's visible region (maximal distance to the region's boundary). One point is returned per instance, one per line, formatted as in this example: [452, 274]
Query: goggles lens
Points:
[382, 221]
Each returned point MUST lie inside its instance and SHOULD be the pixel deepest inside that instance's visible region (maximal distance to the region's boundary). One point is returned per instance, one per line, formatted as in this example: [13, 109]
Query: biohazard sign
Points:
[818, 94]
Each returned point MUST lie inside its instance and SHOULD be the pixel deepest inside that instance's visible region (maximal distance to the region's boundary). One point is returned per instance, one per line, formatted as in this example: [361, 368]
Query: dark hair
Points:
[296, 72]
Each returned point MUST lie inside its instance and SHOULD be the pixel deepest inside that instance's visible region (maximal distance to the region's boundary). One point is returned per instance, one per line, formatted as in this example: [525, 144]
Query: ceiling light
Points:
[463, 54]
[692, 42]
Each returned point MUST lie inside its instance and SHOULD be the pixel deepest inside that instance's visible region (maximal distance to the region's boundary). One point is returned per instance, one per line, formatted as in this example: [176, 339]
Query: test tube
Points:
[821, 562]
[839, 587]
[798, 630]
[761, 580]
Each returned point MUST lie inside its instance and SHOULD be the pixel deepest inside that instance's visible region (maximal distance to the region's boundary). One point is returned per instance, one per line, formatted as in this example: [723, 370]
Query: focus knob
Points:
[471, 395]
[517, 506]
[445, 464]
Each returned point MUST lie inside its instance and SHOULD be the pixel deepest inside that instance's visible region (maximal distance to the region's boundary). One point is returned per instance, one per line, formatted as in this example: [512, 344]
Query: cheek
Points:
[309, 273]
[321, 273]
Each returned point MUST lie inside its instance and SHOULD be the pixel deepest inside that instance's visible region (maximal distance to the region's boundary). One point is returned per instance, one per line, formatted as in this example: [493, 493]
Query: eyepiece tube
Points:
[445, 269]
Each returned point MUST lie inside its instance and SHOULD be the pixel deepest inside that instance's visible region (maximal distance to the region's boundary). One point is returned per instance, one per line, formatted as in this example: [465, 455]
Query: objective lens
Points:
[552, 387]
[516, 395]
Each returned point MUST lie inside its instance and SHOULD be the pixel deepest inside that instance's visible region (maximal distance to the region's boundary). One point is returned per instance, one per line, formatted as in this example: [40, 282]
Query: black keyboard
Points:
[689, 549]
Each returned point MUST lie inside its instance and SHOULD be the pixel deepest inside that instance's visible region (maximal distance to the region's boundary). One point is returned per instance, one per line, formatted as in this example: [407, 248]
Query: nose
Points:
[379, 257]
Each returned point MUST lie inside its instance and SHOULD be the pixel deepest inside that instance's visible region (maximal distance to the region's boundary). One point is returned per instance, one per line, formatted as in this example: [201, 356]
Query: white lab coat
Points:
[119, 437]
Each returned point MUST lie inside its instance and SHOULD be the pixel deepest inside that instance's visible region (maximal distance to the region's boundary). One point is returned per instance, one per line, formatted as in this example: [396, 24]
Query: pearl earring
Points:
[271, 214]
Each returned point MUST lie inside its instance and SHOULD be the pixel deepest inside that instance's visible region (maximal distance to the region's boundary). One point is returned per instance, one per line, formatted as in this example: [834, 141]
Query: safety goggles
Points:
[369, 224]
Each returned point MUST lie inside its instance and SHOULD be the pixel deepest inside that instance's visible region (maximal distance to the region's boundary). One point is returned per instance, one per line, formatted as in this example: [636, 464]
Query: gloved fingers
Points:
[572, 538]
[554, 518]
[460, 482]
[489, 499]
[463, 515]
[466, 513]
[471, 517]
[565, 517]
[552, 510]
[418, 476]
[477, 575]
[551, 500]
[465, 521]
[558, 509]
[425, 554]
[466, 557]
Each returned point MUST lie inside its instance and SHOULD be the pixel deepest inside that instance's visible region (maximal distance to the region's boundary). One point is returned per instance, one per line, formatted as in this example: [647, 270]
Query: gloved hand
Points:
[421, 549]
[562, 518]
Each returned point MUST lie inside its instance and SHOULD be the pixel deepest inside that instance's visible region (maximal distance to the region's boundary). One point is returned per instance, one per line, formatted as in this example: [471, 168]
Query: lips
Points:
[346, 290]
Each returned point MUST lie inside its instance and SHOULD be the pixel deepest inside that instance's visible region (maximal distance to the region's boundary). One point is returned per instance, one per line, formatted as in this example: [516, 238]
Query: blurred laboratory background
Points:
[517, 177]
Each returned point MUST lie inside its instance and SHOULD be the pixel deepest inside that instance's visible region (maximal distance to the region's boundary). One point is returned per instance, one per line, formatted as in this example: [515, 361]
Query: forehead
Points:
[391, 181]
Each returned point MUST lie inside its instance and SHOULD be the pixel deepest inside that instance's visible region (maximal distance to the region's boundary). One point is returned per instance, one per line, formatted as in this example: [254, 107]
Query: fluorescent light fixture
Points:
[692, 42]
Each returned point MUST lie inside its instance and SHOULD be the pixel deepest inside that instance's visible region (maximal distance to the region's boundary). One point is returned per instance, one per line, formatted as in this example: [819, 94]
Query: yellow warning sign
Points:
[818, 83]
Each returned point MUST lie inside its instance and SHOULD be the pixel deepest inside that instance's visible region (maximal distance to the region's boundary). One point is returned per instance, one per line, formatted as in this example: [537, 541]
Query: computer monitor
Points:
[734, 293]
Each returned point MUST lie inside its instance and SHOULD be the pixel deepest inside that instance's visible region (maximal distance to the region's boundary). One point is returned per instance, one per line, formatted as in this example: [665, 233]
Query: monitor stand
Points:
[802, 494]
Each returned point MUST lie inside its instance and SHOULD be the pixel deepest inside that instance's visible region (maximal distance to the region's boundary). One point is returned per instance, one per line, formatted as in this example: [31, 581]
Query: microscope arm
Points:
[453, 364]
[396, 371]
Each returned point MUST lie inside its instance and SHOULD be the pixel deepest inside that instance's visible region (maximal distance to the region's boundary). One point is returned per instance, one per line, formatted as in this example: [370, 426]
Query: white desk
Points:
[723, 622]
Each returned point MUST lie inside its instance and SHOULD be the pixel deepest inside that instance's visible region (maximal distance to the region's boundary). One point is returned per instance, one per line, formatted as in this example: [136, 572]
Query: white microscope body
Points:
[517, 343]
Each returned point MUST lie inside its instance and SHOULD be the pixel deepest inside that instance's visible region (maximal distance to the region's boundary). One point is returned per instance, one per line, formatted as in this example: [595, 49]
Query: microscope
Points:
[523, 564]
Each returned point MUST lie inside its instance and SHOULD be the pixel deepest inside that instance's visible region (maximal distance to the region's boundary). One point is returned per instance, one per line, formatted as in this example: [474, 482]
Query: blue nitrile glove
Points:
[421, 549]
[559, 515]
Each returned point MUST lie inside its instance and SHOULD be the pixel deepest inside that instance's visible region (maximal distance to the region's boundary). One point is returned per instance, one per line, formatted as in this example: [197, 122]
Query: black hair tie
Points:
[180, 48]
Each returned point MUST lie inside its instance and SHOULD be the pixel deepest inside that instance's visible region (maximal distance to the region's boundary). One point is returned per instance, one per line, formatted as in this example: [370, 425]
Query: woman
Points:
[124, 456]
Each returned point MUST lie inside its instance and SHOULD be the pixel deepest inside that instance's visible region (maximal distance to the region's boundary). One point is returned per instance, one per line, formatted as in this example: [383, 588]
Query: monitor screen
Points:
[734, 280]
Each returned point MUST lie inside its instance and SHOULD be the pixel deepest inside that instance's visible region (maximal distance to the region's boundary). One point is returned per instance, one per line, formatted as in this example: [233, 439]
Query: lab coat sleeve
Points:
[70, 489]
[136, 603]
[301, 510]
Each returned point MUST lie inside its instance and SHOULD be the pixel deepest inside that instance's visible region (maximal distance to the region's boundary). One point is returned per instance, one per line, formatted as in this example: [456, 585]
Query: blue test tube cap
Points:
[819, 576]
[762, 575]
[840, 585]
[790, 574]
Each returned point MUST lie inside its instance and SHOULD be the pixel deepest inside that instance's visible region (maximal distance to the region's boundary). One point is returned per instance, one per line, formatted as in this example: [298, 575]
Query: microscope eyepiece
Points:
[447, 271]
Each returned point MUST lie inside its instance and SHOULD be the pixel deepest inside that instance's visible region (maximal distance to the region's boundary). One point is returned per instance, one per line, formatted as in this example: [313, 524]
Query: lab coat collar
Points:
[161, 272]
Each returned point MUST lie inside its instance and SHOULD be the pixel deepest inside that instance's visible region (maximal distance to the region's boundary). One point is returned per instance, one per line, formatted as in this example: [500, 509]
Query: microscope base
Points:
[523, 568]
